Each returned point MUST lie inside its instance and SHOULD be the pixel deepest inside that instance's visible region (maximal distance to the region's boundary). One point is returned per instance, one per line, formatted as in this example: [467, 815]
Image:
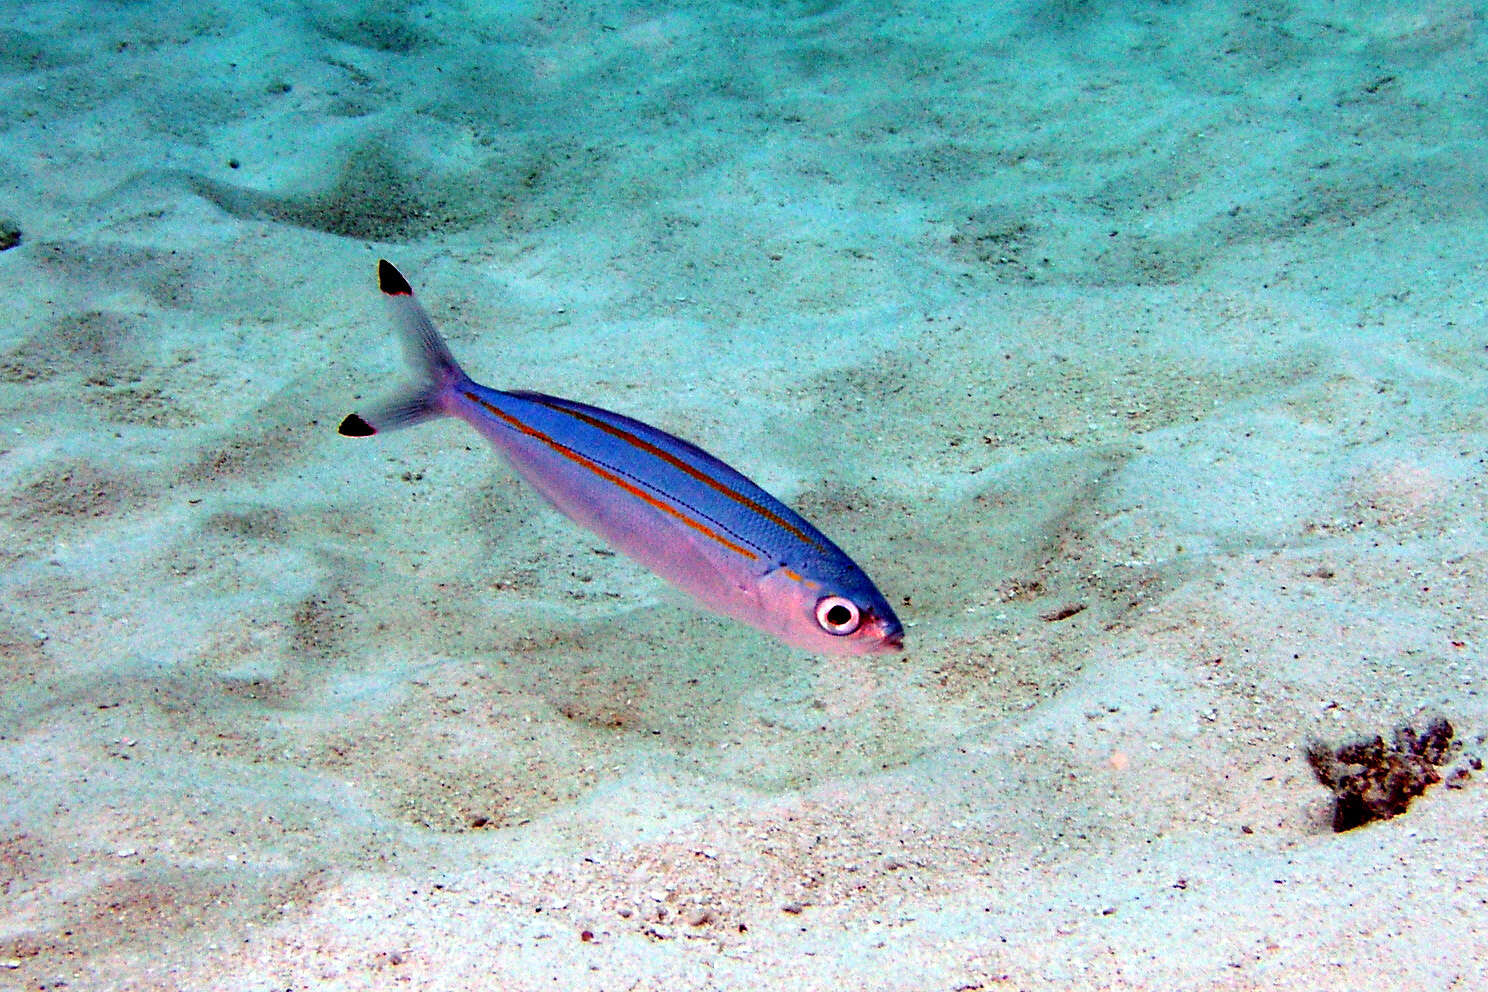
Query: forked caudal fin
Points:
[426, 351]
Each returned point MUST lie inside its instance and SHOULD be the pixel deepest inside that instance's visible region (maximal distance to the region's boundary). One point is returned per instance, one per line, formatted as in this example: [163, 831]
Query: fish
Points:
[665, 502]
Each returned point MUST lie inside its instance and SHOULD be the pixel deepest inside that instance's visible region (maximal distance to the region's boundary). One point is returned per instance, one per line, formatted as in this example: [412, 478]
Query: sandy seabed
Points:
[1137, 351]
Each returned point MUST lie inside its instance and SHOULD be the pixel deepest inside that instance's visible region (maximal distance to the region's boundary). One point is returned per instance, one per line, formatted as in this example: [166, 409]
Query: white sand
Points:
[1170, 313]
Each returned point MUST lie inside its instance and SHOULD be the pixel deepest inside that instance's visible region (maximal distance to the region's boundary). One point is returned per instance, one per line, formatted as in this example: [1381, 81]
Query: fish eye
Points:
[838, 616]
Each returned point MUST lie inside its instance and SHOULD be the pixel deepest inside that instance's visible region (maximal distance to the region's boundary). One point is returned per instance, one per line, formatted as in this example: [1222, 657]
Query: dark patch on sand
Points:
[27, 51]
[1372, 780]
[90, 341]
[241, 457]
[90, 358]
[1052, 383]
[373, 197]
[136, 400]
[74, 493]
[255, 523]
[602, 699]
[320, 621]
[166, 277]
[501, 760]
[22, 657]
[131, 917]
[375, 28]
[260, 446]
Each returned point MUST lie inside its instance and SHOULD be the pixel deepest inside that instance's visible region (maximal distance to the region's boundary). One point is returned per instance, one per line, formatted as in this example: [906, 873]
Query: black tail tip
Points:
[391, 281]
[355, 426]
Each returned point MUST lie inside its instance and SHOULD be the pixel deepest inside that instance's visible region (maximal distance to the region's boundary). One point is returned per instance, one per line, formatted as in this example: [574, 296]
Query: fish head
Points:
[838, 613]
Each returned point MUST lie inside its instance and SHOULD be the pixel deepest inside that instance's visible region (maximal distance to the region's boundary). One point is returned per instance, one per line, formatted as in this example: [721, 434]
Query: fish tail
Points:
[426, 351]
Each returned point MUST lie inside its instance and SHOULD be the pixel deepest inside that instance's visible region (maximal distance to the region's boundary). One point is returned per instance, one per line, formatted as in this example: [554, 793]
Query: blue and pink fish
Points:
[667, 503]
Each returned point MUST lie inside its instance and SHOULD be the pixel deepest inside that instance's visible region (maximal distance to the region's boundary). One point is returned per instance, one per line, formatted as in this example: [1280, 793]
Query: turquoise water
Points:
[1136, 350]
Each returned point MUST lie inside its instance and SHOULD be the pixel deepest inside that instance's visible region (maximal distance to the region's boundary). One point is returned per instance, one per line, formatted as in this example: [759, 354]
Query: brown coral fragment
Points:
[1372, 780]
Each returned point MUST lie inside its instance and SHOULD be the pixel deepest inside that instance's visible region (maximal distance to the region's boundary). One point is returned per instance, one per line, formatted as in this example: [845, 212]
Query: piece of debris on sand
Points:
[1372, 780]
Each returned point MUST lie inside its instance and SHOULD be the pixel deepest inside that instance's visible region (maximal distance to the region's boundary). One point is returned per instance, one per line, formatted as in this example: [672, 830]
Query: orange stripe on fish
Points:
[681, 466]
[612, 477]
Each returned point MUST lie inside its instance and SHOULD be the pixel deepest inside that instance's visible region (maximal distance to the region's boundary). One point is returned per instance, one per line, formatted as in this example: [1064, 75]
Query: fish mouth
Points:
[890, 642]
[886, 630]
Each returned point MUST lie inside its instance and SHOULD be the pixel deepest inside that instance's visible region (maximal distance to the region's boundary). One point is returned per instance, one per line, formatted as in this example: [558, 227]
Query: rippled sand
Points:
[1138, 352]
